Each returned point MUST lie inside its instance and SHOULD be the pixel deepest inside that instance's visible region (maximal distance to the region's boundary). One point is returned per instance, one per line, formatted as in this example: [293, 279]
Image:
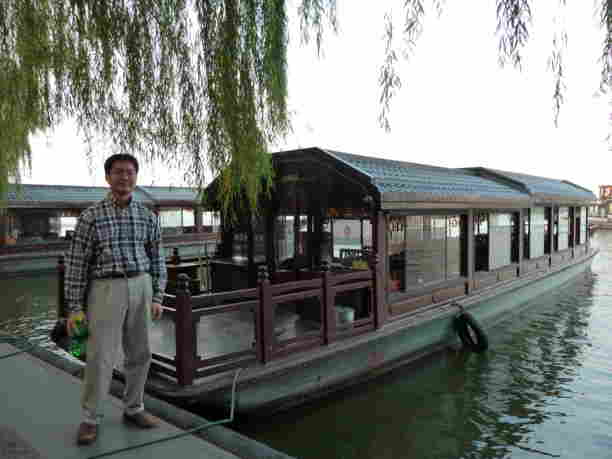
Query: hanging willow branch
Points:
[200, 83]
[513, 21]
[555, 64]
[389, 79]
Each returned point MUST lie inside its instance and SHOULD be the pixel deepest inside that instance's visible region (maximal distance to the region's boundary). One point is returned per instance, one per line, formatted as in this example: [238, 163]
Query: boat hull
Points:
[291, 381]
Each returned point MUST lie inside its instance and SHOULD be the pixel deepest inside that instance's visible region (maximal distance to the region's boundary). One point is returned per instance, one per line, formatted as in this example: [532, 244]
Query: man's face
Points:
[122, 178]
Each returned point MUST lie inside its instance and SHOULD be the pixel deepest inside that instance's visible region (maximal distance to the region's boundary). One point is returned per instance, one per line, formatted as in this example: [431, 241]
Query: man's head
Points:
[121, 173]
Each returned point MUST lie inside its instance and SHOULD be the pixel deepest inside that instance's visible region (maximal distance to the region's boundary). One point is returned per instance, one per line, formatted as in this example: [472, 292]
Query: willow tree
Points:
[199, 83]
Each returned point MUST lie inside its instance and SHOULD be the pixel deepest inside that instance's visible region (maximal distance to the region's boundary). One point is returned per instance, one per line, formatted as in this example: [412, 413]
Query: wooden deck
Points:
[230, 332]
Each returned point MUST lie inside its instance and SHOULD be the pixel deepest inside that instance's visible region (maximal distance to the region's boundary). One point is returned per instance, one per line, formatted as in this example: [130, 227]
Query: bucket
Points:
[344, 314]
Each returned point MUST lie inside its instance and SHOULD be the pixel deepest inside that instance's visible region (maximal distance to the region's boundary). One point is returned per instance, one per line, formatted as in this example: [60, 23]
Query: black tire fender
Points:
[470, 332]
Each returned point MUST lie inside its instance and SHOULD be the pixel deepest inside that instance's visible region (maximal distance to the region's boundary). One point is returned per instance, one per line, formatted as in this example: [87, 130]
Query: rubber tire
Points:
[465, 321]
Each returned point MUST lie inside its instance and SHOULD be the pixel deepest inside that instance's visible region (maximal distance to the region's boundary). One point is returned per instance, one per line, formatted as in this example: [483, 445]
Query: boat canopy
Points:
[541, 189]
[59, 196]
[400, 185]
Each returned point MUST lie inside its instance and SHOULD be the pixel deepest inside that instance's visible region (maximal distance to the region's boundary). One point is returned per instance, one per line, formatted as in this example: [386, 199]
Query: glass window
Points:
[351, 237]
[284, 238]
[423, 249]
[564, 227]
[396, 242]
[500, 240]
[240, 248]
[582, 225]
[538, 231]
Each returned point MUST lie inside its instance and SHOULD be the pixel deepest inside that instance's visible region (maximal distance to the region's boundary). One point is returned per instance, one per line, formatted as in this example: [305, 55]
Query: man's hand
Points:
[72, 320]
[156, 311]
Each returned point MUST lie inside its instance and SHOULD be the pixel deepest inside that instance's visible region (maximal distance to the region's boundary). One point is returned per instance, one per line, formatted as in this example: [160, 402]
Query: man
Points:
[116, 267]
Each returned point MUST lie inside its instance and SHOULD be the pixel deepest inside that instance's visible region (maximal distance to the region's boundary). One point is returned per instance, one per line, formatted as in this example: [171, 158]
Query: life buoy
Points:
[471, 333]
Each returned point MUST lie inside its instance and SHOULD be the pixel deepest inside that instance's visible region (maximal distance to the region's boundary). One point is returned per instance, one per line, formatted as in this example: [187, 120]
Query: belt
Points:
[120, 275]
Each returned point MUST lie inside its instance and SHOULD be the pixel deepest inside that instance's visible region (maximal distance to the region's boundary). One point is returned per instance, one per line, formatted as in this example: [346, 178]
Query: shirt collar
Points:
[110, 197]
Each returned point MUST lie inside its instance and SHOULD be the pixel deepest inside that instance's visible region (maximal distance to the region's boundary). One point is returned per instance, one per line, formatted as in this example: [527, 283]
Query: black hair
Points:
[108, 164]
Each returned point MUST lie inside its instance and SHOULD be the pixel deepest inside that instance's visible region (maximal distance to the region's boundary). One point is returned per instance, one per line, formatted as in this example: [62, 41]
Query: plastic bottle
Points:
[78, 344]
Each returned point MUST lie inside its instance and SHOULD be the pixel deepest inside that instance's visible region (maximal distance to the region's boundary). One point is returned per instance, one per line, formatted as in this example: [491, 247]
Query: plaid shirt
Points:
[109, 239]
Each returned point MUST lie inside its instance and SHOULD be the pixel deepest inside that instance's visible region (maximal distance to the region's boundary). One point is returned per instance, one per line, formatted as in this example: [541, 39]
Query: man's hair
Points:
[108, 164]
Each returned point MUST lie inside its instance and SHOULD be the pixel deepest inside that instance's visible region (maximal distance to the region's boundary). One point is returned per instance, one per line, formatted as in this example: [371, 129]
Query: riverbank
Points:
[37, 422]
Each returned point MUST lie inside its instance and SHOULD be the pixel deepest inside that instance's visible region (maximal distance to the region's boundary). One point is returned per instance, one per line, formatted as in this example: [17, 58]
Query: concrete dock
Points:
[40, 414]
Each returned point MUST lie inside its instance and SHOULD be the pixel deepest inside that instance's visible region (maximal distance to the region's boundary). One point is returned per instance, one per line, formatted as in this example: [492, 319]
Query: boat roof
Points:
[71, 196]
[401, 184]
[542, 189]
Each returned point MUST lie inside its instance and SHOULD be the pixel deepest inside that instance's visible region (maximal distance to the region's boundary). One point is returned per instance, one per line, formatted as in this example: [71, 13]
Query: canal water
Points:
[544, 388]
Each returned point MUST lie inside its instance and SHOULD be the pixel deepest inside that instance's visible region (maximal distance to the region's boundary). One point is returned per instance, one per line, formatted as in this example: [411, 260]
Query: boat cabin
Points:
[435, 232]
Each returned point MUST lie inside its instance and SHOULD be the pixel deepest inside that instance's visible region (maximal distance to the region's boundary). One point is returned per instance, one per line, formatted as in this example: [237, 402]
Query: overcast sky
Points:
[456, 108]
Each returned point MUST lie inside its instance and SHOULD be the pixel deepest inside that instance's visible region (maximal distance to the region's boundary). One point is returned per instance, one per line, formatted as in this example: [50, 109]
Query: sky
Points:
[456, 107]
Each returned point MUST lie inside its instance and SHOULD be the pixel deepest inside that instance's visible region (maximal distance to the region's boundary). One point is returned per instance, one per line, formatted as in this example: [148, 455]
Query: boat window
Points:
[352, 239]
[423, 249]
[177, 221]
[563, 228]
[284, 238]
[500, 239]
[538, 233]
[548, 219]
[581, 225]
[240, 245]
[481, 241]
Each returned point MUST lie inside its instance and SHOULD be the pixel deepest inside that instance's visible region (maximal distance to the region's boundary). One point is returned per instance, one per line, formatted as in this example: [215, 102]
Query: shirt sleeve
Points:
[77, 263]
[157, 257]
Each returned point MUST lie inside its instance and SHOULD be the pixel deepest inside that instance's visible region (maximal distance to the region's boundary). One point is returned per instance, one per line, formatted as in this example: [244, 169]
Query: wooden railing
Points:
[186, 312]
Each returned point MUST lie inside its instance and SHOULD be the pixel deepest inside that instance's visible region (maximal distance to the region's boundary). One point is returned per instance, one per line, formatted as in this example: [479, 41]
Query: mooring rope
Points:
[181, 434]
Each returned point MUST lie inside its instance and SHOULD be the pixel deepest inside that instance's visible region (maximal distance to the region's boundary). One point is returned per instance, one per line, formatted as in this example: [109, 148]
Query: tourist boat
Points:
[355, 265]
[39, 222]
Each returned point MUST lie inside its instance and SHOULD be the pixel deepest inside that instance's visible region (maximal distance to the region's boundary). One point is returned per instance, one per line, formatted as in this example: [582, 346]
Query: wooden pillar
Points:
[521, 241]
[62, 311]
[185, 333]
[551, 233]
[270, 240]
[264, 318]
[470, 255]
[197, 213]
[380, 273]
[251, 253]
[573, 219]
[587, 234]
[4, 227]
[328, 314]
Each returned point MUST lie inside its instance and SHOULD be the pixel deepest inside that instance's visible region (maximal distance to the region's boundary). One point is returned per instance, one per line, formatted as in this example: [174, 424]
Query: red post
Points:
[265, 318]
[377, 286]
[185, 333]
[381, 270]
[328, 316]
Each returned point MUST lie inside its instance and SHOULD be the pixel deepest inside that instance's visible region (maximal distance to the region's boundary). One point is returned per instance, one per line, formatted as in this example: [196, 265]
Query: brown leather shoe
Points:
[142, 419]
[87, 433]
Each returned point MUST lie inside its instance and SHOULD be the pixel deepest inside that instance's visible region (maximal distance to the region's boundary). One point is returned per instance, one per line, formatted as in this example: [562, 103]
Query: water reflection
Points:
[540, 391]
[29, 308]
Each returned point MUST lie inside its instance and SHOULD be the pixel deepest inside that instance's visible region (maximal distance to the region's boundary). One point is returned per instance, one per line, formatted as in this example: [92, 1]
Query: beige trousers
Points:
[118, 311]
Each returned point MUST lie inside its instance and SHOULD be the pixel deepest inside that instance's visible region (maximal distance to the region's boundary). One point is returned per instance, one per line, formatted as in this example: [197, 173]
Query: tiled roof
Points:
[80, 195]
[547, 189]
[398, 180]
[167, 193]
